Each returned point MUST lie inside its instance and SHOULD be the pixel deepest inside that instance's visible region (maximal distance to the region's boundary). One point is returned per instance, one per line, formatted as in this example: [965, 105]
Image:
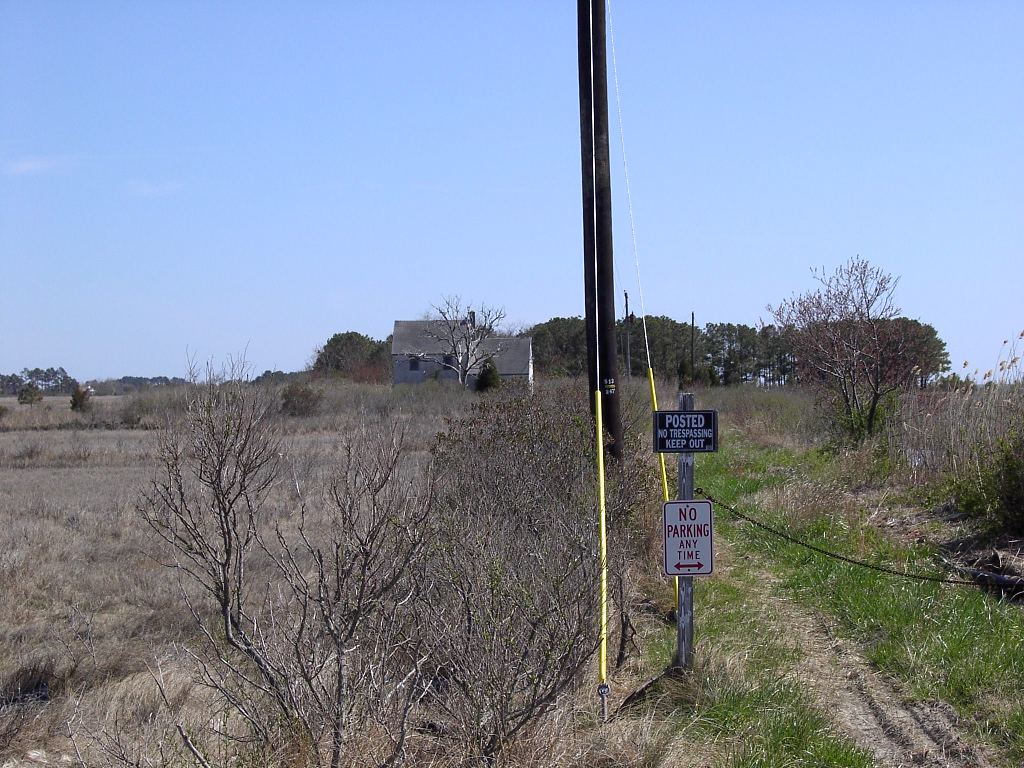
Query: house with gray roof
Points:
[429, 350]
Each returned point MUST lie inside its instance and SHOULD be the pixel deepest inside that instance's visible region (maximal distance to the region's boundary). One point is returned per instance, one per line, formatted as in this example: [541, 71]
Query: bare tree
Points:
[846, 339]
[351, 575]
[464, 331]
[303, 618]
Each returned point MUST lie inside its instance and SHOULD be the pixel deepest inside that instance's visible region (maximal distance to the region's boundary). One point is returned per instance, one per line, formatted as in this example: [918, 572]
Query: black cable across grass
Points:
[978, 577]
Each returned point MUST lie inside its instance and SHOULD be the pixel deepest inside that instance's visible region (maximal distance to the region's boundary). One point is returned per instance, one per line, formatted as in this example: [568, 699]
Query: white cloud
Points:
[34, 165]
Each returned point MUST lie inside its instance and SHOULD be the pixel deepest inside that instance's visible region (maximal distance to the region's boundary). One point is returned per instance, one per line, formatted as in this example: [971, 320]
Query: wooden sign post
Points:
[684, 609]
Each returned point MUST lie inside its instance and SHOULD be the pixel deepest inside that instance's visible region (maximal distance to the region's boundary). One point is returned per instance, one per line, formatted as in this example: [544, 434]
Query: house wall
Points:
[429, 370]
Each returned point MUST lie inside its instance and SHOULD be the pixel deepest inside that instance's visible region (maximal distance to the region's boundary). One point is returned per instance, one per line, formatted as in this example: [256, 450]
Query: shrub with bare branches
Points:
[512, 608]
[509, 621]
[385, 608]
[850, 341]
[304, 640]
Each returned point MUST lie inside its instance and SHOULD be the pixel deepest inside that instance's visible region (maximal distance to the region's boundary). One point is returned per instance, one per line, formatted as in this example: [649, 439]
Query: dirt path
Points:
[869, 708]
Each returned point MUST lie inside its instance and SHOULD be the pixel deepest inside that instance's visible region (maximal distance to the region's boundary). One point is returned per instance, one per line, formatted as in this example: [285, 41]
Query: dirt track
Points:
[869, 708]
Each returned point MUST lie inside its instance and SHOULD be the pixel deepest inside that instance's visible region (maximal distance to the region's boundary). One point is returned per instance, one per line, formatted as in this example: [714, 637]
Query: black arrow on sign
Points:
[698, 564]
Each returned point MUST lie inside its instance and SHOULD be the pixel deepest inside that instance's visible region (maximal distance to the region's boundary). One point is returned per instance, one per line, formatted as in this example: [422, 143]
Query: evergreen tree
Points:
[354, 355]
[489, 377]
[29, 394]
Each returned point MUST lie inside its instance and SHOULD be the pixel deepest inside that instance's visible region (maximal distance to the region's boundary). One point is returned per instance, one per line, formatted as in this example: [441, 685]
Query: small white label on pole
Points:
[688, 531]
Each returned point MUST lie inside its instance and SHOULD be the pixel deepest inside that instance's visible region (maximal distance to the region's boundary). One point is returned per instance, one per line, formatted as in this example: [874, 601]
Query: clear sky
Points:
[193, 178]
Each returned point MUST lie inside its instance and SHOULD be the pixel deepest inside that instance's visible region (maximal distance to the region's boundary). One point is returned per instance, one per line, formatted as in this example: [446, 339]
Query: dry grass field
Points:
[109, 657]
[84, 606]
[88, 610]
[102, 643]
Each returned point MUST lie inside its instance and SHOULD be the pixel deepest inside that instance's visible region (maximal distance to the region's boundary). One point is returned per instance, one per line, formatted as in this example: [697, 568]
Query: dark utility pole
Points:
[599, 282]
[587, 155]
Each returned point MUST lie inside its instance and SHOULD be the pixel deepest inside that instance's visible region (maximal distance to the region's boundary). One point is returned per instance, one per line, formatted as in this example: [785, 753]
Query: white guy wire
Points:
[625, 170]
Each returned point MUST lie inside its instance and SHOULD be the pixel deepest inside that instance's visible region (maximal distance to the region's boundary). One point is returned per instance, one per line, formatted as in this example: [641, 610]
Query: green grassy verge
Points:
[743, 706]
[955, 644]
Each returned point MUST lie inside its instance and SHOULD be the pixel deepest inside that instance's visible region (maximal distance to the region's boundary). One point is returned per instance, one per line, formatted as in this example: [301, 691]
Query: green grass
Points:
[768, 723]
[757, 715]
[950, 643]
[743, 697]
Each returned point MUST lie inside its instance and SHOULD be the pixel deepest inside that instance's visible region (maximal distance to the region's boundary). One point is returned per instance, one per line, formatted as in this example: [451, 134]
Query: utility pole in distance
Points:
[693, 362]
[597, 214]
[627, 325]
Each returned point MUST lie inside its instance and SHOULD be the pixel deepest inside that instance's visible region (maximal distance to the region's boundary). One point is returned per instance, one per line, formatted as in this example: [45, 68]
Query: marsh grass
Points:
[784, 417]
[90, 611]
[942, 433]
[54, 412]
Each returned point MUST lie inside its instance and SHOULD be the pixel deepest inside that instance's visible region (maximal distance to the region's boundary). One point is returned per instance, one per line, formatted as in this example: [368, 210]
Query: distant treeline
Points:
[722, 353]
[50, 381]
[717, 354]
[57, 381]
[126, 385]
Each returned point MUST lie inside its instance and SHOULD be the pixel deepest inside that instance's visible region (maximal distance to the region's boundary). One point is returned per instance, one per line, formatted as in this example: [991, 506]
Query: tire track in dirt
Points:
[869, 708]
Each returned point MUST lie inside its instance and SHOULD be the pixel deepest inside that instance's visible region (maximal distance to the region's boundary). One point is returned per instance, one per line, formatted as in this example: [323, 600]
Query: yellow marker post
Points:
[602, 535]
[661, 456]
[661, 460]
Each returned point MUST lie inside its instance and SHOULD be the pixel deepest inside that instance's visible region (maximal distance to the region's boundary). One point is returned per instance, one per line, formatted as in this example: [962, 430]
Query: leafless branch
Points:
[307, 638]
[463, 331]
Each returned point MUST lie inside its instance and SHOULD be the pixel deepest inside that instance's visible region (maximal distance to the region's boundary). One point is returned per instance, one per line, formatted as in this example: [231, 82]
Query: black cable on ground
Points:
[978, 577]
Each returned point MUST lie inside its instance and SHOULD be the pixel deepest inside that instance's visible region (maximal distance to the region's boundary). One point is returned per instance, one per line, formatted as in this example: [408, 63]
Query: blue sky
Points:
[193, 178]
